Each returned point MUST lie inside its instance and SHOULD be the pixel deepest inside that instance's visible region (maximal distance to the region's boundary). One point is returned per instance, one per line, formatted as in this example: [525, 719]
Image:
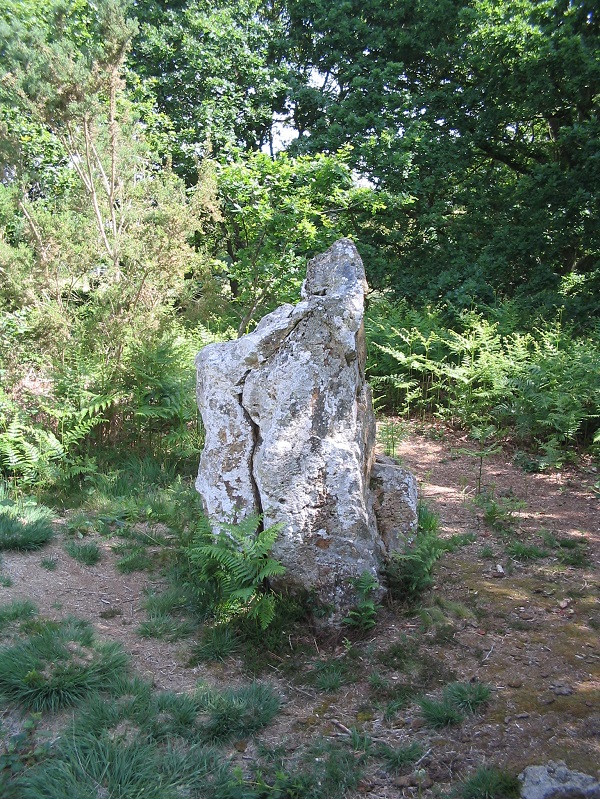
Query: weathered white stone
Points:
[394, 492]
[556, 781]
[290, 433]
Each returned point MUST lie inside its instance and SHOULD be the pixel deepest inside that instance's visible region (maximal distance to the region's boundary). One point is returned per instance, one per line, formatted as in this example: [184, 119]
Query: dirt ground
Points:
[527, 628]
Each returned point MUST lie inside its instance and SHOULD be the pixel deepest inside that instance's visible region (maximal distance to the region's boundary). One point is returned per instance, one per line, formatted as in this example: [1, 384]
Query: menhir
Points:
[290, 434]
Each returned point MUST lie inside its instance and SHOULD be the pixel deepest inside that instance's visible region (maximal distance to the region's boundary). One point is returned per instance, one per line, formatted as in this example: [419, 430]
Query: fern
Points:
[232, 569]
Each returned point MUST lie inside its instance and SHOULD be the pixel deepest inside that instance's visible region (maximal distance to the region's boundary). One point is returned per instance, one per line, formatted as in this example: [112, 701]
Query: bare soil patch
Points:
[528, 628]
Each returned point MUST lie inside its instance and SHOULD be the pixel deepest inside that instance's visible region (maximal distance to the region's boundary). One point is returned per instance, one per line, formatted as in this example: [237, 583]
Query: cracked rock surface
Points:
[290, 434]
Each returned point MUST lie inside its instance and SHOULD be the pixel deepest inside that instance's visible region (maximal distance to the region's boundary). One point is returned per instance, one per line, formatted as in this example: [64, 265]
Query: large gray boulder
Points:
[290, 434]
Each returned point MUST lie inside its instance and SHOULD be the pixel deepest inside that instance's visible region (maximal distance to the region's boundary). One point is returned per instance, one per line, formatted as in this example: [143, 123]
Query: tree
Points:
[277, 212]
[110, 239]
[485, 114]
[215, 71]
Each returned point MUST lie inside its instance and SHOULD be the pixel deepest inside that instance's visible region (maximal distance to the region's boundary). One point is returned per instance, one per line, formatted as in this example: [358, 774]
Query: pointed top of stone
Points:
[338, 272]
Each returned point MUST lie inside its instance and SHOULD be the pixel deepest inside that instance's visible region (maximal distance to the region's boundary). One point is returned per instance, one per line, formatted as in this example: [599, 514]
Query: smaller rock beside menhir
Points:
[290, 434]
[556, 781]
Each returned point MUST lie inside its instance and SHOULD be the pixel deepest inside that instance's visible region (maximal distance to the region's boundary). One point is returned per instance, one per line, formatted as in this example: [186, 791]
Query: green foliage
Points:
[165, 627]
[277, 211]
[58, 665]
[570, 551]
[499, 513]
[325, 770]
[134, 559]
[18, 753]
[539, 385]
[24, 525]
[490, 782]
[19, 610]
[330, 675]
[217, 644]
[409, 574]
[363, 616]
[524, 552]
[230, 570]
[438, 714]
[467, 696]
[87, 553]
[398, 759]
[236, 713]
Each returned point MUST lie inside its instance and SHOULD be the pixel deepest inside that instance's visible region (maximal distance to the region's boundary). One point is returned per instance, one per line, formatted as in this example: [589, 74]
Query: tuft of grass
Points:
[49, 564]
[166, 628]
[217, 644]
[236, 713]
[136, 559]
[57, 666]
[573, 553]
[524, 552]
[87, 553]
[394, 706]
[93, 766]
[172, 601]
[396, 656]
[467, 696]
[19, 610]
[458, 540]
[330, 678]
[438, 714]
[24, 525]
[398, 759]
[489, 782]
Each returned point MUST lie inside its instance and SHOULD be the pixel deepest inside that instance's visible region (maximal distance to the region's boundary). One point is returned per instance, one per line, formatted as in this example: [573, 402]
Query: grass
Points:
[489, 782]
[525, 552]
[57, 665]
[135, 559]
[324, 770]
[398, 759]
[49, 564]
[467, 696]
[166, 628]
[91, 766]
[236, 713]
[217, 644]
[19, 610]
[87, 553]
[439, 714]
[24, 526]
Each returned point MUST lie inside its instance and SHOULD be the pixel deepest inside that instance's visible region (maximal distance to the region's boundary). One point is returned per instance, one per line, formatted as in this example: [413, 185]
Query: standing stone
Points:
[290, 434]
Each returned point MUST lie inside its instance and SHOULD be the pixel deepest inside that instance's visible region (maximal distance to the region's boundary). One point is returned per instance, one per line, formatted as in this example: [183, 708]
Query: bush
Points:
[540, 384]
